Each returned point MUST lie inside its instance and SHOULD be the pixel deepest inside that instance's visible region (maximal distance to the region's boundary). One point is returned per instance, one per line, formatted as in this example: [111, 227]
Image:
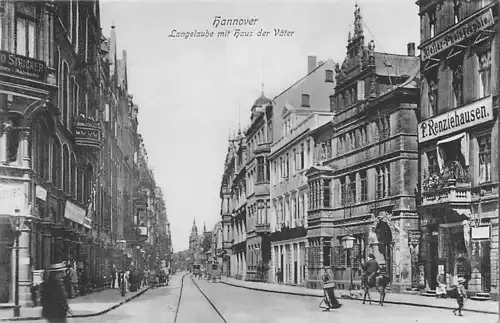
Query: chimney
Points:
[411, 49]
[311, 63]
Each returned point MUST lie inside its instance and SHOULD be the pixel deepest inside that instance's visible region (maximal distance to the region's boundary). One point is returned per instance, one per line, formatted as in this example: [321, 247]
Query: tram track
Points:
[180, 301]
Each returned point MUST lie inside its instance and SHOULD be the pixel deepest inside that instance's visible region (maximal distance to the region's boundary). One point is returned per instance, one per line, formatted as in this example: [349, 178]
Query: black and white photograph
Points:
[249, 161]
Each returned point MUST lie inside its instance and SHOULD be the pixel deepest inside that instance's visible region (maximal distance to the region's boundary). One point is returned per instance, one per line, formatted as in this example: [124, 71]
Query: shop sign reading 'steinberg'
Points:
[455, 120]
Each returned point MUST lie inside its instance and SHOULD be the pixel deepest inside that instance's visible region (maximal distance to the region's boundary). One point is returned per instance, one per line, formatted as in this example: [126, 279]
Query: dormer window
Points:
[305, 101]
[329, 76]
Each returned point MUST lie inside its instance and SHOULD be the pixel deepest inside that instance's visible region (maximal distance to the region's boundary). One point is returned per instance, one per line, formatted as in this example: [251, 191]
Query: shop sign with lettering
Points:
[22, 66]
[457, 34]
[469, 115]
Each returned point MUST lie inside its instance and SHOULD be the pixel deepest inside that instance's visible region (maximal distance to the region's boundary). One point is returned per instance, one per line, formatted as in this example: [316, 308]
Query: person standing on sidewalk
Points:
[461, 296]
[54, 303]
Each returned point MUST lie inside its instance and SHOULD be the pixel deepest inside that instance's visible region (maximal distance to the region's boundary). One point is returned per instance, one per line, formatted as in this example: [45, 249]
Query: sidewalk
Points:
[489, 307]
[85, 306]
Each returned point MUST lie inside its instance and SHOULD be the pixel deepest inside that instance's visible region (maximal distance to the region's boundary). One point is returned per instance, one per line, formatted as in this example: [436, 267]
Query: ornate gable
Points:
[287, 109]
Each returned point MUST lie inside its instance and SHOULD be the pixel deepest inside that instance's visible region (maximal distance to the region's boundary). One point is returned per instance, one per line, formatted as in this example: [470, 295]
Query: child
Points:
[461, 295]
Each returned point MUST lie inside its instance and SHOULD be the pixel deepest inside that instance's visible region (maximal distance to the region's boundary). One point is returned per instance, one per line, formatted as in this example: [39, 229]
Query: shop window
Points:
[432, 163]
[484, 144]
[485, 73]
[326, 193]
[25, 29]
[364, 185]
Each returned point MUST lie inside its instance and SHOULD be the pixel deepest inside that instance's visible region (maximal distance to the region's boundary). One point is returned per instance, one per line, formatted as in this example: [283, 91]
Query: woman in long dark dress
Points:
[329, 292]
[54, 304]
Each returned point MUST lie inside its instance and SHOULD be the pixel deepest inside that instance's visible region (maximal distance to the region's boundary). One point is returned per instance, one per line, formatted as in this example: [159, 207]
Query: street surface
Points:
[239, 305]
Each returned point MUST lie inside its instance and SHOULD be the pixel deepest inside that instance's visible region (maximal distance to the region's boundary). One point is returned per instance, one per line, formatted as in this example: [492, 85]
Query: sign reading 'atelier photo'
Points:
[22, 66]
[470, 115]
[457, 34]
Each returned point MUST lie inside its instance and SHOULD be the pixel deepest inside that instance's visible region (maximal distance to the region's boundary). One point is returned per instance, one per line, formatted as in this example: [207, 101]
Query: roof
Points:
[262, 100]
[394, 64]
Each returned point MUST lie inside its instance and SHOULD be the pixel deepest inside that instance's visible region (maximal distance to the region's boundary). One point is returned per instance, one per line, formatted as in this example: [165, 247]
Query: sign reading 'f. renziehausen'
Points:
[470, 115]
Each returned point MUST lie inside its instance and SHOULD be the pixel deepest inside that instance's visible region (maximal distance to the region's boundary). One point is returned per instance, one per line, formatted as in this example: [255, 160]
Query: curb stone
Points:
[35, 318]
[358, 299]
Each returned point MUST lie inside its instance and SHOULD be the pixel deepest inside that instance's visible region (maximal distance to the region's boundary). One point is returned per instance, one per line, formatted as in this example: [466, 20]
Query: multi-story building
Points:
[299, 109]
[58, 104]
[258, 138]
[458, 124]
[195, 251]
[362, 191]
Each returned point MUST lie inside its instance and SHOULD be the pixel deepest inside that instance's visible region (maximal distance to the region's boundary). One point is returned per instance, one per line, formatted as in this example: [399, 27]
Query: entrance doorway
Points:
[384, 236]
[295, 275]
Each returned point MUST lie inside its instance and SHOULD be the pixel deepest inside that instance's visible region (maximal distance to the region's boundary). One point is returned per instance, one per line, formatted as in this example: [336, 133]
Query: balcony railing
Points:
[452, 194]
[87, 132]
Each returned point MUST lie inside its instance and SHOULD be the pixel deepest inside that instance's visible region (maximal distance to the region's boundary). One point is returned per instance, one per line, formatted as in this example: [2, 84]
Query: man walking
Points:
[371, 269]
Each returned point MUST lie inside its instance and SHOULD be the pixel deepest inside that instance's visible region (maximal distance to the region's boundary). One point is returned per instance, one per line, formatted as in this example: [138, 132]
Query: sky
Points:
[192, 93]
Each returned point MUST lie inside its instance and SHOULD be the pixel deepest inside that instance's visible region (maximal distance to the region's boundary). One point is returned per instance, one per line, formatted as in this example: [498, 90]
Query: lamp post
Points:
[122, 244]
[348, 243]
[17, 221]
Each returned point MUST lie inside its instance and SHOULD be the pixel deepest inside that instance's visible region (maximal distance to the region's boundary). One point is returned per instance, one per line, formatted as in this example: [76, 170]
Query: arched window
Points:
[74, 179]
[56, 163]
[64, 87]
[74, 99]
[66, 170]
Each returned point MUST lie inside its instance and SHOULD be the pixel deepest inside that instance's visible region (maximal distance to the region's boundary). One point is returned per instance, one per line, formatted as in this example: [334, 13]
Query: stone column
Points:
[3, 142]
[24, 148]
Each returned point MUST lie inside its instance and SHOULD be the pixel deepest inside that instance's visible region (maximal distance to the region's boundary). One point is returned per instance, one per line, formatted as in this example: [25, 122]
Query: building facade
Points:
[363, 187]
[458, 124]
[59, 101]
[258, 138]
[299, 109]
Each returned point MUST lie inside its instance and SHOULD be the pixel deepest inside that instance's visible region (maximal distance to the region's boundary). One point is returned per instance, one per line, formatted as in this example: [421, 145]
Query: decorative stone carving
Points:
[466, 227]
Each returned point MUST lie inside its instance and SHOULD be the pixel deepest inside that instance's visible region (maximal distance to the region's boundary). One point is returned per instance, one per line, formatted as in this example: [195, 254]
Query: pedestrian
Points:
[54, 303]
[441, 285]
[461, 296]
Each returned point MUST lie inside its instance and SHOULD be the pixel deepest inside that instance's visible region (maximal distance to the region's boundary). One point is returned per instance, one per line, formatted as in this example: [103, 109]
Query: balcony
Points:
[454, 195]
[262, 228]
[87, 132]
[262, 188]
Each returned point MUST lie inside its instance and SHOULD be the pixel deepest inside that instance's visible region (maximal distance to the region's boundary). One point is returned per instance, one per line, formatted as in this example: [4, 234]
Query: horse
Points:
[382, 280]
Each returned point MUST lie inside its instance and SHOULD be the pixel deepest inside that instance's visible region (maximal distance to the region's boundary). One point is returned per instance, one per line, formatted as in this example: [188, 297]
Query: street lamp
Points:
[348, 243]
[122, 244]
[17, 222]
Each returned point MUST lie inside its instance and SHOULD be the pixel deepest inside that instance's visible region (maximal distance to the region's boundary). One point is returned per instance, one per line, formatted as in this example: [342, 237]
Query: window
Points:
[432, 22]
[305, 100]
[66, 170]
[364, 185]
[361, 90]
[456, 10]
[64, 87]
[457, 82]
[13, 138]
[261, 171]
[287, 165]
[74, 96]
[74, 179]
[268, 175]
[56, 163]
[383, 181]
[433, 96]
[432, 163]
[384, 127]
[332, 103]
[484, 143]
[343, 191]
[25, 30]
[352, 189]
[328, 76]
[485, 73]
[326, 192]
[298, 161]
